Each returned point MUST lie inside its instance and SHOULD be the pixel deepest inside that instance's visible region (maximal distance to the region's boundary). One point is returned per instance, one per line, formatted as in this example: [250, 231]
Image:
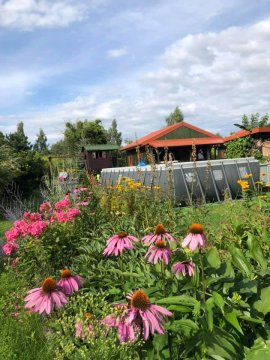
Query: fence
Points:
[206, 180]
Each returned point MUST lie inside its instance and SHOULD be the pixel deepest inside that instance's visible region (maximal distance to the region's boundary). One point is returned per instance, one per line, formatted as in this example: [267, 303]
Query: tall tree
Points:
[249, 123]
[18, 140]
[175, 117]
[113, 135]
[83, 132]
[41, 142]
[2, 139]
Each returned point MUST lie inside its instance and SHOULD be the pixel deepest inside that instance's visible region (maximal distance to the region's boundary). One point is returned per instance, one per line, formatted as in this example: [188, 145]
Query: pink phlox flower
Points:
[72, 213]
[25, 215]
[9, 248]
[36, 228]
[195, 238]
[22, 227]
[118, 243]
[62, 204]
[45, 298]
[159, 234]
[33, 217]
[14, 262]
[146, 315]
[69, 283]
[45, 207]
[12, 234]
[159, 252]
[184, 268]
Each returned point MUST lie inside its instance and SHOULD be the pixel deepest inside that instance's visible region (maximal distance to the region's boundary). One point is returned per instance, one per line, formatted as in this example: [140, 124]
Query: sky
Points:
[132, 60]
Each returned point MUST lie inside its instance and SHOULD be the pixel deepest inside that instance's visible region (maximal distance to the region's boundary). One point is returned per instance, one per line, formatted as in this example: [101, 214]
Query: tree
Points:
[175, 117]
[253, 122]
[9, 166]
[113, 135]
[18, 140]
[41, 142]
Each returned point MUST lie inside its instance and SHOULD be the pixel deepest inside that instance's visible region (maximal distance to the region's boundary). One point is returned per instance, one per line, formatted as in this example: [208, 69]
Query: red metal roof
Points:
[186, 142]
[243, 133]
[150, 138]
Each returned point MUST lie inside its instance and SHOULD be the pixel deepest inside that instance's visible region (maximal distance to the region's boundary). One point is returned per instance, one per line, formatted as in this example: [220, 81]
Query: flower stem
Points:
[203, 278]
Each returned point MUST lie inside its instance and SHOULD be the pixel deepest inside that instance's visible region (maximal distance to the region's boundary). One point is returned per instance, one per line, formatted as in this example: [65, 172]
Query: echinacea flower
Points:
[45, 298]
[118, 319]
[150, 318]
[83, 329]
[69, 283]
[118, 243]
[159, 252]
[195, 237]
[159, 234]
[184, 268]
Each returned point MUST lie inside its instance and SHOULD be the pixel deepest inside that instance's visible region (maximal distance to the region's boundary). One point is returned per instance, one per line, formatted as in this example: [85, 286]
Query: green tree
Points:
[175, 117]
[41, 142]
[9, 166]
[113, 135]
[58, 148]
[254, 121]
[2, 139]
[18, 140]
[241, 147]
[83, 132]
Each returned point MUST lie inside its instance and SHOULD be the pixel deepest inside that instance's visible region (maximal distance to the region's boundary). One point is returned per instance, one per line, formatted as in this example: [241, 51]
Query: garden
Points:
[124, 273]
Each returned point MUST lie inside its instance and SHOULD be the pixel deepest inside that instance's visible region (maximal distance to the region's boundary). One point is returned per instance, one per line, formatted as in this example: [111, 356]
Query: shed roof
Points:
[243, 133]
[156, 135]
[100, 147]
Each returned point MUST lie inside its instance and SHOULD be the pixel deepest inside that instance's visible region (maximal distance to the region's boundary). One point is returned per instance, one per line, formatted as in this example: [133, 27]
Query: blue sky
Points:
[135, 61]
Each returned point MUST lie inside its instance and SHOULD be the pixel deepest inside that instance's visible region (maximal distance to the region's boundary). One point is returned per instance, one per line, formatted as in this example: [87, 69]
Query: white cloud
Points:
[116, 53]
[29, 14]
[214, 77]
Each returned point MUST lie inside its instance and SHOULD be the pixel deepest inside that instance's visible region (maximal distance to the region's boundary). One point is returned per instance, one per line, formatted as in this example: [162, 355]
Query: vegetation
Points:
[218, 301]
[175, 117]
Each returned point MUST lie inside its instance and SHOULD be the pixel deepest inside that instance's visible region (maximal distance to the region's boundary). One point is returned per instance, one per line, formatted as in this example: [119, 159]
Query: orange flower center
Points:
[196, 229]
[48, 285]
[140, 300]
[159, 230]
[65, 274]
[122, 234]
[160, 244]
[88, 315]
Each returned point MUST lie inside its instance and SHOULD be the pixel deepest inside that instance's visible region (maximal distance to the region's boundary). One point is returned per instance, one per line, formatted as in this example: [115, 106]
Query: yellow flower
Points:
[156, 187]
[258, 182]
[267, 185]
[247, 176]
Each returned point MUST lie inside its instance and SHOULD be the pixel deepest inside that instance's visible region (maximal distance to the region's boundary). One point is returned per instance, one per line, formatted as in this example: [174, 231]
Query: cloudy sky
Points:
[135, 60]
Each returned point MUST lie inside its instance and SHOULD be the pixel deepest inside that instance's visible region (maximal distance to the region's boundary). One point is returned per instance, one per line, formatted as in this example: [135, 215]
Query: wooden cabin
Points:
[98, 157]
[179, 140]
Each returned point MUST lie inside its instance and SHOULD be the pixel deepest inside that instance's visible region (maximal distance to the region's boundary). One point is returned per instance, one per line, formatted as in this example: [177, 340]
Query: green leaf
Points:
[263, 304]
[266, 237]
[259, 351]
[218, 299]
[256, 251]
[179, 300]
[212, 258]
[250, 319]
[232, 319]
[209, 304]
[240, 262]
[185, 326]
[180, 308]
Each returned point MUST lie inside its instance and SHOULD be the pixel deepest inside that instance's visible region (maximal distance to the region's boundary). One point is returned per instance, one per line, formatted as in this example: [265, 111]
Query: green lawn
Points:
[4, 226]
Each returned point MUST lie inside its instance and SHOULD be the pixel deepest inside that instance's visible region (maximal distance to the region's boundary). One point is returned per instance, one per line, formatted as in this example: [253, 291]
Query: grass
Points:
[4, 226]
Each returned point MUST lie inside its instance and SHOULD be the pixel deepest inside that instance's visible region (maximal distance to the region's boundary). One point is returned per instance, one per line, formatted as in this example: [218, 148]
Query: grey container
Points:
[205, 180]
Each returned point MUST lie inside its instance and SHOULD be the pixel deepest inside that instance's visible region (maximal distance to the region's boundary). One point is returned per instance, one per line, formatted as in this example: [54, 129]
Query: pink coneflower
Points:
[82, 329]
[118, 243]
[159, 234]
[125, 330]
[69, 283]
[159, 252]
[195, 238]
[150, 318]
[184, 268]
[45, 298]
